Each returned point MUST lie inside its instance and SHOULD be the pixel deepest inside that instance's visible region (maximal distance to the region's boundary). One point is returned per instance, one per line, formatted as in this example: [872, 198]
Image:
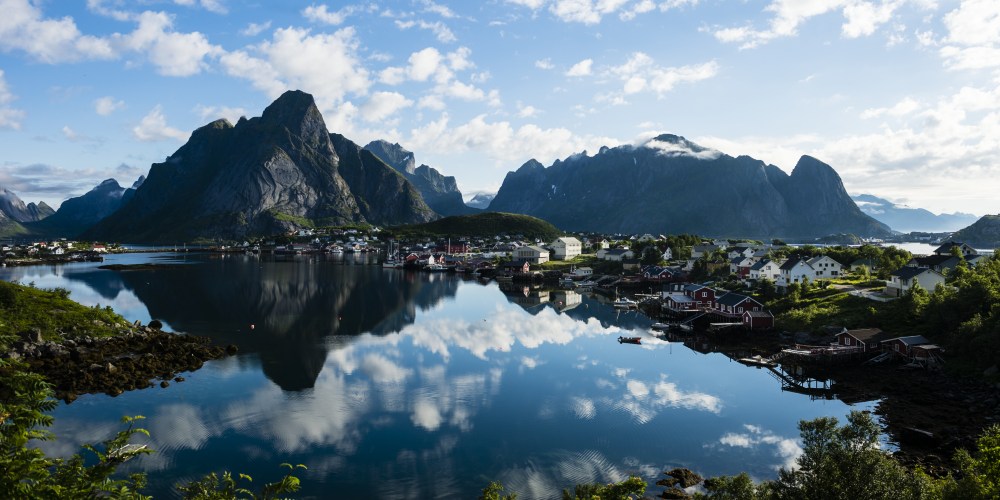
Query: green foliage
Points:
[494, 491]
[27, 473]
[299, 221]
[980, 471]
[213, 487]
[23, 308]
[486, 224]
[631, 488]
[738, 487]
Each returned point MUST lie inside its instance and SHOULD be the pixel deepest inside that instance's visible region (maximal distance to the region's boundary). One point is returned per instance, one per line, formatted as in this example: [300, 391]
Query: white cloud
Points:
[382, 370]
[153, 127]
[323, 15]
[526, 111]
[324, 64]
[438, 9]
[383, 105]
[215, 6]
[23, 27]
[531, 4]
[902, 108]
[254, 29]
[440, 30]
[641, 73]
[9, 117]
[584, 11]
[426, 414]
[211, 113]
[106, 105]
[862, 18]
[173, 53]
[973, 40]
[786, 449]
[583, 408]
[582, 68]
[545, 64]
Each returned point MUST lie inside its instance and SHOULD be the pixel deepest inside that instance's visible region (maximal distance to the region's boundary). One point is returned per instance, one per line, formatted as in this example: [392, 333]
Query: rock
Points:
[178, 379]
[231, 349]
[674, 493]
[110, 368]
[164, 384]
[33, 336]
[156, 324]
[685, 477]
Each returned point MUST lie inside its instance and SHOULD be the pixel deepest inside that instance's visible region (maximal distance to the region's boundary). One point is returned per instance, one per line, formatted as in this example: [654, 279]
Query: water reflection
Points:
[396, 385]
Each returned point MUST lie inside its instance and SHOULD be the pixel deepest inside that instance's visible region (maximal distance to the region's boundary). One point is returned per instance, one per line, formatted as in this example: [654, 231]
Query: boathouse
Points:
[903, 346]
[869, 339]
[758, 320]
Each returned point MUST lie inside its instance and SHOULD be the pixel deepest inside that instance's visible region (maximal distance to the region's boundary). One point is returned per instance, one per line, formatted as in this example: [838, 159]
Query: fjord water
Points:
[391, 384]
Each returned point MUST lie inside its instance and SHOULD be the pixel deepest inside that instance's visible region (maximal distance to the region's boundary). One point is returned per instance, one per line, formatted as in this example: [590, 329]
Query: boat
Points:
[629, 340]
[625, 303]
[435, 268]
[660, 326]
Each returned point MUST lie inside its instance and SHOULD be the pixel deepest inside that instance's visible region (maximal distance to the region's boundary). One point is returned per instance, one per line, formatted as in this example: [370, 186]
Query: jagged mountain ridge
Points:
[75, 215]
[440, 192]
[481, 200]
[16, 210]
[671, 185]
[906, 219]
[265, 175]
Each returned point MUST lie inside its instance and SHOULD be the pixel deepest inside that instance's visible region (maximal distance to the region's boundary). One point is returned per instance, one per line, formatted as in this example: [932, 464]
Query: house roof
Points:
[819, 258]
[731, 299]
[912, 340]
[866, 334]
[568, 240]
[935, 260]
[946, 247]
[616, 251]
[759, 314]
[791, 263]
[908, 272]
[680, 298]
[695, 287]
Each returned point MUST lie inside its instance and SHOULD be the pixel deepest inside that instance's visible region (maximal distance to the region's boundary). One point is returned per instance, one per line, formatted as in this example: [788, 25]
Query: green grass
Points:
[484, 225]
[823, 307]
[23, 308]
[294, 219]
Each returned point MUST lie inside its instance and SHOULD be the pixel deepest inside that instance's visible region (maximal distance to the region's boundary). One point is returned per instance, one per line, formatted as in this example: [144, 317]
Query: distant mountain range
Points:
[905, 219]
[267, 175]
[671, 185]
[440, 193]
[481, 200]
[76, 215]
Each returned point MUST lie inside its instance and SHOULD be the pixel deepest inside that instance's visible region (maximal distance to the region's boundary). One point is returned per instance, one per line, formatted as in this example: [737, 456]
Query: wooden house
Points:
[869, 339]
[735, 304]
[758, 320]
[903, 346]
[904, 278]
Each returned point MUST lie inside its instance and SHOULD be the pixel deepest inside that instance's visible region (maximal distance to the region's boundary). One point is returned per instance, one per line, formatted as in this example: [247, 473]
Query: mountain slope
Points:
[441, 193]
[906, 219]
[671, 185]
[266, 175]
[984, 233]
[75, 215]
[16, 210]
[481, 200]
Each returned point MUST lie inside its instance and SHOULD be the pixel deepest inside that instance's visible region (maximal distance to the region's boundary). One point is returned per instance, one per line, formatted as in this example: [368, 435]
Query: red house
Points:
[734, 304]
[702, 295]
[870, 339]
[758, 320]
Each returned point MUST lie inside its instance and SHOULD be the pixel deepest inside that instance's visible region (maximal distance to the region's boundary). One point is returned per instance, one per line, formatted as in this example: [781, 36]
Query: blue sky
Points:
[902, 97]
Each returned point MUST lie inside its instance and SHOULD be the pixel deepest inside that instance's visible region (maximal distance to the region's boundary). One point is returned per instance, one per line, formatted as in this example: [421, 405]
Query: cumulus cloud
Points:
[902, 108]
[153, 127]
[383, 105]
[9, 117]
[861, 18]
[216, 6]
[582, 68]
[545, 64]
[641, 73]
[106, 105]
[324, 64]
[323, 15]
[24, 28]
[383, 370]
[973, 39]
[254, 29]
[211, 113]
[440, 30]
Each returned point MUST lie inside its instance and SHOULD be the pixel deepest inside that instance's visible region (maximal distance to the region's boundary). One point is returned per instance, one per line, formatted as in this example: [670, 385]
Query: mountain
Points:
[14, 208]
[441, 193]
[267, 175]
[905, 219]
[481, 200]
[484, 225]
[671, 185]
[78, 214]
[984, 233]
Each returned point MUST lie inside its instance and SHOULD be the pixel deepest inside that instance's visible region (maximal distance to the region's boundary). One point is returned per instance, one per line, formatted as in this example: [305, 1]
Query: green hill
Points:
[483, 225]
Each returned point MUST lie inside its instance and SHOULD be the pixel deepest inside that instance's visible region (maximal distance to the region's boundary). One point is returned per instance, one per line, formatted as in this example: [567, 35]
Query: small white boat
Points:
[660, 326]
[625, 303]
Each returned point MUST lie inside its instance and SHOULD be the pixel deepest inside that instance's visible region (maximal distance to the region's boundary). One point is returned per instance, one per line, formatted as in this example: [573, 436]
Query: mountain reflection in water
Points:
[389, 384]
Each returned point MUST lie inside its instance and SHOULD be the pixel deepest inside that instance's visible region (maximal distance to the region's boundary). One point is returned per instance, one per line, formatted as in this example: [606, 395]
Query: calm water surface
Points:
[389, 384]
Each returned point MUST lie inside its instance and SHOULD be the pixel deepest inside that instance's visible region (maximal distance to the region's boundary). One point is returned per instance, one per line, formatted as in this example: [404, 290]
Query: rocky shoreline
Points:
[140, 358]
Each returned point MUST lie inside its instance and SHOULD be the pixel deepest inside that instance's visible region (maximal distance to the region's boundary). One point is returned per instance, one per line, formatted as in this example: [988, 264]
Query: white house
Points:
[582, 272]
[795, 270]
[699, 251]
[647, 237]
[766, 268]
[532, 254]
[668, 254]
[566, 248]
[903, 279]
[618, 254]
[825, 267]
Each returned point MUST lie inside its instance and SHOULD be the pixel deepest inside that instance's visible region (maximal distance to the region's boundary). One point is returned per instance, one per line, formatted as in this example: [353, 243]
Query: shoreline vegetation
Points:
[55, 347]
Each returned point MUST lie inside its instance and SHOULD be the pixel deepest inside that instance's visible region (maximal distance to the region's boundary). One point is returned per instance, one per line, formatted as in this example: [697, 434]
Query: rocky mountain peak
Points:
[531, 165]
[394, 155]
[138, 182]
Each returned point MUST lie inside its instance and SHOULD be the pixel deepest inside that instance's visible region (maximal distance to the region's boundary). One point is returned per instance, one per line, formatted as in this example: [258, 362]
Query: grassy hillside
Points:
[23, 308]
[482, 225]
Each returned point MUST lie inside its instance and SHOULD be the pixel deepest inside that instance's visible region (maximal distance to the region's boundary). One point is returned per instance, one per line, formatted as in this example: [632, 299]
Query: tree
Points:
[633, 487]
[651, 255]
[980, 471]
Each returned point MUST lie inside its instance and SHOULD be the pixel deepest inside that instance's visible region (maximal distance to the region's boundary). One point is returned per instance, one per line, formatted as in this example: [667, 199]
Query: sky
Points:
[901, 97]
